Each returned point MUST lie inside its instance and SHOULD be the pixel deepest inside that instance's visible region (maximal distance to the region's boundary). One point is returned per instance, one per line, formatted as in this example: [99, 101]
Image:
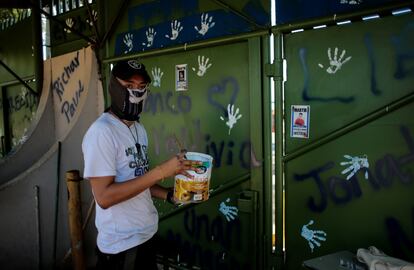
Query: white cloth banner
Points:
[70, 78]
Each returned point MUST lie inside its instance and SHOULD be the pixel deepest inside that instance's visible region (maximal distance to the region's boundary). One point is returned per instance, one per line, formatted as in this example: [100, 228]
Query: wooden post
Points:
[75, 219]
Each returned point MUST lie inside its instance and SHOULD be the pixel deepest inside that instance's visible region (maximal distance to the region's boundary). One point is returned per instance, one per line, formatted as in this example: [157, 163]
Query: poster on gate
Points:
[181, 81]
[300, 121]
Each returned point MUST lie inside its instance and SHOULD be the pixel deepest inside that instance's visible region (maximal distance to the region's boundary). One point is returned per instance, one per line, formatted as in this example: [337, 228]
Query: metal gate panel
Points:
[350, 184]
[290, 11]
[218, 233]
[346, 72]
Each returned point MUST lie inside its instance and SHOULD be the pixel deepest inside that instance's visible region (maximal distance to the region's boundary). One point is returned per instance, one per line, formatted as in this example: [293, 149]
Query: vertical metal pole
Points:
[57, 5]
[267, 160]
[104, 47]
[75, 219]
[38, 233]
[64, 6]
[6, 121]
[57, 204]
[37, 46]
[256, 138]
[279, 150]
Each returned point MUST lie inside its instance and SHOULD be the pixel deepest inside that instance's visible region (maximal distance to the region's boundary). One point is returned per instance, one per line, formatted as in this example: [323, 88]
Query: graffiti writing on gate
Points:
[402, 243]
[305, 92]
[167, 102]
[27, 102]
[383, 175]
[63, 83]
[224, 151]
[224, 240]
[18, 103]
[403, 52]
[226, 87]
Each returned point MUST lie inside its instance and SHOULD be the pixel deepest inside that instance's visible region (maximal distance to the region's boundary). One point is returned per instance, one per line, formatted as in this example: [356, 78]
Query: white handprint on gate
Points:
[69, 22]
[335, 63]
[94, 18]
[351, 2]
[175, 30]
[206, 24]
[150, 33]
[233, 116]
[157, 75]
[203, 65]
[128, 42]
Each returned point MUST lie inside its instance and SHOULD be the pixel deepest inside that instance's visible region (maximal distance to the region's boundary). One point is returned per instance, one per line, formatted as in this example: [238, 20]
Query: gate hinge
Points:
[275, 69]
[247, 202]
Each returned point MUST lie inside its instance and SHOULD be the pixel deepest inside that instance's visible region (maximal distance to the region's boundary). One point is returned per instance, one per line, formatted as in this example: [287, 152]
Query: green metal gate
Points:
[218, 233]
[347, 168]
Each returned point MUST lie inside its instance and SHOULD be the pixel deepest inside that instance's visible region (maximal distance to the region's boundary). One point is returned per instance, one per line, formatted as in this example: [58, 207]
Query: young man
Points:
[115, 150]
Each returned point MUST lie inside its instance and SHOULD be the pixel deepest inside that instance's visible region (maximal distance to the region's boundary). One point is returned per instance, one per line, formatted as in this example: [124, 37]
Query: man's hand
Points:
[178, 165]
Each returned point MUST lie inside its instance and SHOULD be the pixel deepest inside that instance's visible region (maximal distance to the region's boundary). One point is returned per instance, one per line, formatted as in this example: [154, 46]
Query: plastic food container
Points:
[194, 190]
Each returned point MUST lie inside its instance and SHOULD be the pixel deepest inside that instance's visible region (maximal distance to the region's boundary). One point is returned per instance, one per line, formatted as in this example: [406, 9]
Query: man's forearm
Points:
[159, 192]
[112, 193]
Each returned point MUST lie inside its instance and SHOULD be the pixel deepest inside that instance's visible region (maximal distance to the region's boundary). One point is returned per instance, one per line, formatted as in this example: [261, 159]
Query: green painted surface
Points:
[373, 209]
[379, 72]
[16, 50]
[17, 53]
[359, 212]
[2, 137]
[22, 109]
[193, 116]
[201, 236]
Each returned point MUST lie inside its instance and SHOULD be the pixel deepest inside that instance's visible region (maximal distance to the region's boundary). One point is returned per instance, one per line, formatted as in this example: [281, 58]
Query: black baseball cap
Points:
[127, 68]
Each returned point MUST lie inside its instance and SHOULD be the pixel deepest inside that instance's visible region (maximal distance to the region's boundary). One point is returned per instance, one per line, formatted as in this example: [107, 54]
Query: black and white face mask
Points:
[126, 103]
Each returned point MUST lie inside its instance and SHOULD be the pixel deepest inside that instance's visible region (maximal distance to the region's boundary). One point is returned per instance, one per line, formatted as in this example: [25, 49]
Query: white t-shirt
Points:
[109, 149]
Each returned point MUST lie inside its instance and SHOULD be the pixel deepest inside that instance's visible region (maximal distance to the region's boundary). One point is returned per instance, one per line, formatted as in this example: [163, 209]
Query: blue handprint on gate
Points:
[229, 212]
[354, 165]
[314, 237]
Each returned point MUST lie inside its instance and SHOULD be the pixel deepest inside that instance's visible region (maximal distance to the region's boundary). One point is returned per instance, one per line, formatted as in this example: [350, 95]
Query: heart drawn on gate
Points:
[227, 88]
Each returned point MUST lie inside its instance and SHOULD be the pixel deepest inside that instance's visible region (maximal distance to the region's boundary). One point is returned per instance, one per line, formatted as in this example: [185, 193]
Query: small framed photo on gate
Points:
[181, 79]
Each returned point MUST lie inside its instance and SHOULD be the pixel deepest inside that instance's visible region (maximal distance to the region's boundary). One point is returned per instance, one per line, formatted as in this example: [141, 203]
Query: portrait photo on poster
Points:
[181, 81]
[300, 121]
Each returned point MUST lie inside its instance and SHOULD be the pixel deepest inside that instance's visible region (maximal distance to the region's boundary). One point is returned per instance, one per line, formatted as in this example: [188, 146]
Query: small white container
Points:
[195, 190]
